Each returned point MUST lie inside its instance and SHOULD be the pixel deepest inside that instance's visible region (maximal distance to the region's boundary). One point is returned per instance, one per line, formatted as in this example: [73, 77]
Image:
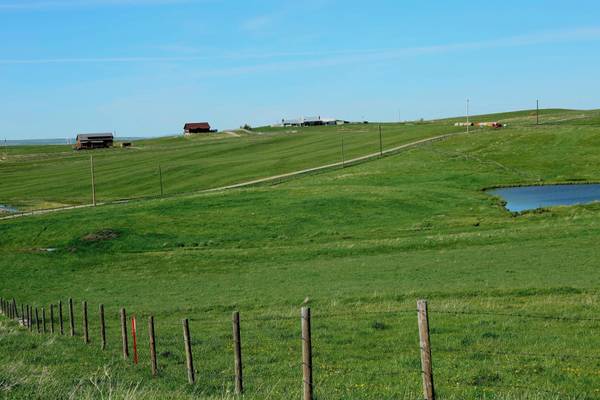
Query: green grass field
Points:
[52, 176]
[514, 299]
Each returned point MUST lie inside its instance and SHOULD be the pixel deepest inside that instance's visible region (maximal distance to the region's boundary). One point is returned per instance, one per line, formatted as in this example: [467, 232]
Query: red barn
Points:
[196, 127]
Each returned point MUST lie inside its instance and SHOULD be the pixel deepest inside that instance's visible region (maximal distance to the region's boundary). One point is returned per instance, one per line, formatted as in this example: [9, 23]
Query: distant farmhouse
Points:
[94, 141]
[197, 127]
[312, 121]
[495, 125]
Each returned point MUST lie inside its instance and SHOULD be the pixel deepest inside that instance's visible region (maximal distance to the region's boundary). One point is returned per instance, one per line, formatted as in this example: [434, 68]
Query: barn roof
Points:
[197, 125]
[311, 119]
[91, 136]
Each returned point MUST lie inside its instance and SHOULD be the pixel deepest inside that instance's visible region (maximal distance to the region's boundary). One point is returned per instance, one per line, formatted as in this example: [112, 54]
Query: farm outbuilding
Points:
[311, 121]
[94, 141]
[196, 127]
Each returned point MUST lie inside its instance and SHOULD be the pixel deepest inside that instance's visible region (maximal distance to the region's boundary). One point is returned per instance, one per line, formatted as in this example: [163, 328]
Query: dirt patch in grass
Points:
[101, 235]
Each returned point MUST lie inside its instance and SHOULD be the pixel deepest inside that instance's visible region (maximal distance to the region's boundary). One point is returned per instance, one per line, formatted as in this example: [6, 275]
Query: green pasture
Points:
[50, 176]
[514, 298]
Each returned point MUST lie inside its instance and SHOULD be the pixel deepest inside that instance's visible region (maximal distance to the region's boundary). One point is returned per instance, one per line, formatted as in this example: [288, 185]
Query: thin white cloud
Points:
[103, 60]
[50, 4]
[334, 57]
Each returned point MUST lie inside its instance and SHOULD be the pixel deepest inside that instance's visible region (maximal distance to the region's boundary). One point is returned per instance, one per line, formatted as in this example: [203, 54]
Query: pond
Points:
[532, 197]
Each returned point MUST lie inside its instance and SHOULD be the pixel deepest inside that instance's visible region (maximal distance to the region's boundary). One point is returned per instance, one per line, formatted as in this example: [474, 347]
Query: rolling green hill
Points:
[34, 178]
[514, 298]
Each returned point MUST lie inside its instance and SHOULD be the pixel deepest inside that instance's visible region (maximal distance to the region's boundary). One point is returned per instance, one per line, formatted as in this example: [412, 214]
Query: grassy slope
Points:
[32, 178]
[358, 242]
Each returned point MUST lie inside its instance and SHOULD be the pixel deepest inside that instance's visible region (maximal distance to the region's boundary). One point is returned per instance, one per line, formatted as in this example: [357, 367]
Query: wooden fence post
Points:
[153, 363]
[16, 311]
[102, 328]
[134, 337]
[307, 354]
[124, 334]
[60, 318]
[237, 354]
[52, 318]
[71, 317]
[187, 341]
[22, 314]
[37, 320]
[44, 319]
[427, 370]
[86, 332]
[30, 317]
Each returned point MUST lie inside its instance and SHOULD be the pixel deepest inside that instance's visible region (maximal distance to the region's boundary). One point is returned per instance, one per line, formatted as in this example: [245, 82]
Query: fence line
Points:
[26, 319]
[548, 356]
[527, 316]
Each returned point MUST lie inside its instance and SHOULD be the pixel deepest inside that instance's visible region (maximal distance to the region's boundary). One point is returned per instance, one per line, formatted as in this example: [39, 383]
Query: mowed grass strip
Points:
[514, 299]
[31, 179]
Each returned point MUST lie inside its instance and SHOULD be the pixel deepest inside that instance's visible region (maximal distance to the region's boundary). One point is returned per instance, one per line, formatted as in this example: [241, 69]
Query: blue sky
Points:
[144, 67]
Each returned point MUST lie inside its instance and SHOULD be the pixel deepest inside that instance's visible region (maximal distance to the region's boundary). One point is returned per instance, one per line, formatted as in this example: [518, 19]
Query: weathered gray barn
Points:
[94, 141]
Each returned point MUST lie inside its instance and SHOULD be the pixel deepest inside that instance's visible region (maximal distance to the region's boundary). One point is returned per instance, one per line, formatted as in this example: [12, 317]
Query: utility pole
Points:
[161, 181]
[399, 120]
[537, 112]
[380, 143]
[93, 181]
[468, 124]
[5, 150]
[343, 161]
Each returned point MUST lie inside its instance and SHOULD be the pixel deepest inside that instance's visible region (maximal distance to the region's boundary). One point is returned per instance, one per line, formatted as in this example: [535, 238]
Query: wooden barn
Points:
[196, 127]
[94, 141]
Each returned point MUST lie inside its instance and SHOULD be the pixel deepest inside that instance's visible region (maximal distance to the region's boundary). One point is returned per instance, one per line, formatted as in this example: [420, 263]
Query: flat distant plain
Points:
[514, 299]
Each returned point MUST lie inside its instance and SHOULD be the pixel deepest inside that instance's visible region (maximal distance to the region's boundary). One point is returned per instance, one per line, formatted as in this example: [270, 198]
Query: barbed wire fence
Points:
[163, 356]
